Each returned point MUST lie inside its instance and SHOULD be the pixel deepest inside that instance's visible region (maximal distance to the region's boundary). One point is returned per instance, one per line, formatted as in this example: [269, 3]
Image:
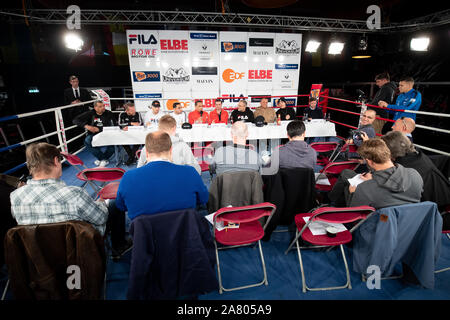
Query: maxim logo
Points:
[140, 38]
[204, 81]
[287, 47]
[260, 53]
[176, 75]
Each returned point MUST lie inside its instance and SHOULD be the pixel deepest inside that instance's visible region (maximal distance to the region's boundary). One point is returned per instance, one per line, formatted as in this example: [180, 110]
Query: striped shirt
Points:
[51, 201]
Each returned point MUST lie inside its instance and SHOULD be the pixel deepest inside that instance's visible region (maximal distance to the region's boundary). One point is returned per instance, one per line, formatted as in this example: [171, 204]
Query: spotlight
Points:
[312, 46]
[73, 41]
[420, 44]
[335, 48]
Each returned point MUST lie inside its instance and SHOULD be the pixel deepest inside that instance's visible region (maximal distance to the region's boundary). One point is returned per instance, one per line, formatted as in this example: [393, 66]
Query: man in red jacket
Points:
[218, 115]
[198, 115]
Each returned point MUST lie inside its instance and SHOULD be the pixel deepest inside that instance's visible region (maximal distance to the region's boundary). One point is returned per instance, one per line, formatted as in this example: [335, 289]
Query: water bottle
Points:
[328, 116]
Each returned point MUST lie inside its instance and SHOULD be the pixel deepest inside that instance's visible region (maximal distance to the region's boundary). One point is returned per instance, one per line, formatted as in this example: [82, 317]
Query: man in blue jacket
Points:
[409, 99]
[160, 185]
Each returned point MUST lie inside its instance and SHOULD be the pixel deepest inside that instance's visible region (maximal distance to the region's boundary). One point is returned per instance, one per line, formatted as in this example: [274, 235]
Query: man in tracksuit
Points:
[94, 121]
[409, 99]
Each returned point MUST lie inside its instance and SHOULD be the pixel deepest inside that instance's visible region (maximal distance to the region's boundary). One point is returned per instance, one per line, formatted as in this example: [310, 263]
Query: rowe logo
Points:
[140, 38]
[259, 74]
[174, 44]
[229, 75]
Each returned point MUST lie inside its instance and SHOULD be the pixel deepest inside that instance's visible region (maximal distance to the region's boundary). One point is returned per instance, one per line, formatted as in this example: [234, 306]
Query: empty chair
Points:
[328, 215]
[249, 231]
[322, 149]
[90, 175]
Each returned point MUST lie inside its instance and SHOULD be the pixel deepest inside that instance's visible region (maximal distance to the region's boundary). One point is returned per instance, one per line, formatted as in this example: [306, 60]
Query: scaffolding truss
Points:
[214, 19]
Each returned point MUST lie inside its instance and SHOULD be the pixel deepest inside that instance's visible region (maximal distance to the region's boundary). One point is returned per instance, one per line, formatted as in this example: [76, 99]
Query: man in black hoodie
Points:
[94, 121]
[386, 93]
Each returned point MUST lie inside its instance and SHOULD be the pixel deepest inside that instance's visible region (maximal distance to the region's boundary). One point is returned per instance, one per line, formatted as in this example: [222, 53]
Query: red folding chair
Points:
[322, 147]
[204, 156]
[90, 175]
[330, 215]
[332, 171]
[248, 232]
[109, 191]
[352, 148]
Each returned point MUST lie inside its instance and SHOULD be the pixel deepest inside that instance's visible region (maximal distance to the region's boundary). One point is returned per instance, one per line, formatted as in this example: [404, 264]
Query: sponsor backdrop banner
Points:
[203, 64]
[260, 60]
[254, 97]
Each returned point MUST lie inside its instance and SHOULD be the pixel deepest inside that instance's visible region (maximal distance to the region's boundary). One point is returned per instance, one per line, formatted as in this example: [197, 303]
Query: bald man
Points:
[366, 128]
[405, 125]
[238, 156]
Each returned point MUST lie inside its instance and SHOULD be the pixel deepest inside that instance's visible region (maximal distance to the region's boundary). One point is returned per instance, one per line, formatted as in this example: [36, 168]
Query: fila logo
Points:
[259, 74]
[229, 75]
[174, 44]
[140, 38]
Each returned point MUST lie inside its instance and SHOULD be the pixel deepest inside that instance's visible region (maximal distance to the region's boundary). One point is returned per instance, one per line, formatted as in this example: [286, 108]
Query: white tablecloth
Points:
[202, 133]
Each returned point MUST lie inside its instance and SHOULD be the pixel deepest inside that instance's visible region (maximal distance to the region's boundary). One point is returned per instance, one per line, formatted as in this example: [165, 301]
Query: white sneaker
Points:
[97, 162]
[103, 163]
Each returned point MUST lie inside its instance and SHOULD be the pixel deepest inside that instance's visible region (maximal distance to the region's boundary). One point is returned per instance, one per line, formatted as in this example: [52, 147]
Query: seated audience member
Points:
[387, 184]
[236, 157]
[181, 153]
[198, 115]
[366, 128]
[175, 187]
[405, 125]
[242, 113]
[409, 99]
[265, 111]
[313, 111]
[94, 121]
[284, 112]
[294, 154]
[436, 187]
[47, 199]
[130, 118]
[178, 114]
[218, 115]
[154, 114]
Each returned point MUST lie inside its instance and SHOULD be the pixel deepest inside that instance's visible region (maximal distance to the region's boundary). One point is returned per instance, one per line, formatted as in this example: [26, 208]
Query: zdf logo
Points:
[229, 75]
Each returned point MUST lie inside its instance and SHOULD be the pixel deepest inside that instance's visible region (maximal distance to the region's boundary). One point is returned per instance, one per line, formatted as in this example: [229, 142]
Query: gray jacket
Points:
[235, 158]
[294, 154]
[391, 187]
[181, 154]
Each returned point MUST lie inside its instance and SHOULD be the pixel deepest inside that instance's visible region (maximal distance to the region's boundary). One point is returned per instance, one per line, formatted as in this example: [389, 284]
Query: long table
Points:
[202, 133]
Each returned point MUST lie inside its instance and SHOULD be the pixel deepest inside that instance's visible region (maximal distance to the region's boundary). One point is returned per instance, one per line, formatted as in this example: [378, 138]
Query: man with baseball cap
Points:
[154, 114]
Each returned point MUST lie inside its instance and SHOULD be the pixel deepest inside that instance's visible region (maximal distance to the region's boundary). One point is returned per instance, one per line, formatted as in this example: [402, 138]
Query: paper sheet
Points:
[323, 180]
[355, 180]
[219, 224]
[319, 227]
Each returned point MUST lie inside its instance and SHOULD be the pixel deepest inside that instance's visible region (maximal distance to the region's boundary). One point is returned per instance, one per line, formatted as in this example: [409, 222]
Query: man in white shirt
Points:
[154, 114]
[178, 114]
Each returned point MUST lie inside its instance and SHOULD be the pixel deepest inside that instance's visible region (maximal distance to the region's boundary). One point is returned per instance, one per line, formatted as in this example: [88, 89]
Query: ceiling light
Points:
[420, 44]
[73, 41]
[312, 46]
[335, 48]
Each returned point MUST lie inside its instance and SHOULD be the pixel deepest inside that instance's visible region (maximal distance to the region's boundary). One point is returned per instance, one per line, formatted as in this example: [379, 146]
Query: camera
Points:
[361, 95]
[355, 134]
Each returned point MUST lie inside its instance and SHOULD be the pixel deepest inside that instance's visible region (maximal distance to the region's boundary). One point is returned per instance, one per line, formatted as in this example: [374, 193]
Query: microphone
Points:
[201, 113]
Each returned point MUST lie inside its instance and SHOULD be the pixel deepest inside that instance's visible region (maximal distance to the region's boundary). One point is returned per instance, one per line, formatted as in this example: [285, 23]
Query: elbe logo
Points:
[141, 39]
[259, 74]
[229, 75]
[174, 44]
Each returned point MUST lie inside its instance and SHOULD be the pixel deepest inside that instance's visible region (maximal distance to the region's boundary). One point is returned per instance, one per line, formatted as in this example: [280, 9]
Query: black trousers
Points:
[116, 225]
